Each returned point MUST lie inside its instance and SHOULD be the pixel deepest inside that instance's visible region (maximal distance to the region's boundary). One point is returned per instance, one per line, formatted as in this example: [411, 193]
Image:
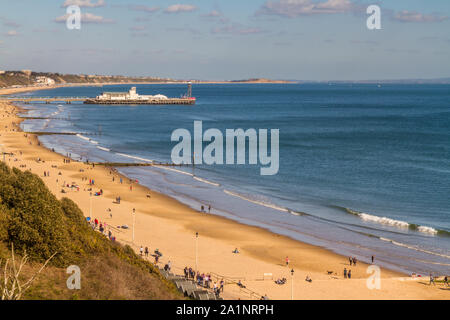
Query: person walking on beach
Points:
[345, 273]
[432, 280]
[141, 250]
[287, 261]
[222, 283]
[373, 259]
[146, 251]
[354, 261]
[349, 275]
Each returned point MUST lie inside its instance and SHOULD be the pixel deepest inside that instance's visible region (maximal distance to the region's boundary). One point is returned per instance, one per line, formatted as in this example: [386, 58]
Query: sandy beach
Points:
[164, 223]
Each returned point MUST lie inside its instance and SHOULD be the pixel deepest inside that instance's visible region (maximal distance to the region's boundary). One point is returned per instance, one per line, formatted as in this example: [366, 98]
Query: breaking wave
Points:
[397, 223]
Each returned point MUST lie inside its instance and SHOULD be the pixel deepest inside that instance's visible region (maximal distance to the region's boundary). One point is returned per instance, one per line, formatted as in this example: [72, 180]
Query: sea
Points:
[364, 169]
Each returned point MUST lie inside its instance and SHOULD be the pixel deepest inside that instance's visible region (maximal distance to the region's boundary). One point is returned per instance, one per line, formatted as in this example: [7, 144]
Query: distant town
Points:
[27, 78]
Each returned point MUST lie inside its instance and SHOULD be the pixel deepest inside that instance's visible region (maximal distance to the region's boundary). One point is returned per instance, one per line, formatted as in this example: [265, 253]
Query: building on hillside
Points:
[46, 81]
[27, 72]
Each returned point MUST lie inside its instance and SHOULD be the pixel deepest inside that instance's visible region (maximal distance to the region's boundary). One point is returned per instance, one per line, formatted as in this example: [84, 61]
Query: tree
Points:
[11, 287]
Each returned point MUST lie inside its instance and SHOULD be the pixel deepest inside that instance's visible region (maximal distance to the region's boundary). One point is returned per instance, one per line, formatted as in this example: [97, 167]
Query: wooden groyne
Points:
[43, 133]
[140, 164]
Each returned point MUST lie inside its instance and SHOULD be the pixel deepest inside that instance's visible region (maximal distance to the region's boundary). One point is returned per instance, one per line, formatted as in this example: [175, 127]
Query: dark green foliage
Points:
[34, 218]
[35, 221]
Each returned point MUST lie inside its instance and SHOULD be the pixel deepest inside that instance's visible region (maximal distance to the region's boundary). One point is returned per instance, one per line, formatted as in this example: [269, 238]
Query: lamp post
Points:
[196, 251]
[90, 204]
[292, 284]
[134, 221]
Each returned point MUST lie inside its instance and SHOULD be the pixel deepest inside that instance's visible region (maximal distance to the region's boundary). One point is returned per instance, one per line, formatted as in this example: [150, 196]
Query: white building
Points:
[45, 81]
[130, 95]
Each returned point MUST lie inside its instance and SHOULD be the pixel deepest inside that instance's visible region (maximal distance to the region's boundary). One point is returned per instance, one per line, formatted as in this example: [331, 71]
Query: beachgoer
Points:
[373, 258]
[141, 250]
[345, 273]
[349, 275]
[146, 251]
[350, 260]
[432, 280]
[287, 261]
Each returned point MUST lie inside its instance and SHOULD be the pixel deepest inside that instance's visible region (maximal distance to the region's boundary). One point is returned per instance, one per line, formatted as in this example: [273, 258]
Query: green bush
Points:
[34, 218]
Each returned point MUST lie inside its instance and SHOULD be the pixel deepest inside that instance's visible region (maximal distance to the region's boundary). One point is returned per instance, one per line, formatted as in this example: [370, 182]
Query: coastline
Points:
[9, 90]
[261, 251]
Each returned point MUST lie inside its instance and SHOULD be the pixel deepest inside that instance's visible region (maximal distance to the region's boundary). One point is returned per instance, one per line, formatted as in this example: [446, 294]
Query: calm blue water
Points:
[363, 169]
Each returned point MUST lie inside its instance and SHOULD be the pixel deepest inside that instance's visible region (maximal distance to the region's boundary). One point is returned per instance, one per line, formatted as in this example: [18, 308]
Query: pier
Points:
[46, 100]
[112, 98]
[86, 100]
[185, 101]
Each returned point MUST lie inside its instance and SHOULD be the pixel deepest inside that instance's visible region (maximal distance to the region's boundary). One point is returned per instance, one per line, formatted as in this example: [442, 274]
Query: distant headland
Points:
[26, 78]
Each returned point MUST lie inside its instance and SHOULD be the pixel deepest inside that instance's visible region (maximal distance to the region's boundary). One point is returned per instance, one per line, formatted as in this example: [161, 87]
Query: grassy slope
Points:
[36, 222]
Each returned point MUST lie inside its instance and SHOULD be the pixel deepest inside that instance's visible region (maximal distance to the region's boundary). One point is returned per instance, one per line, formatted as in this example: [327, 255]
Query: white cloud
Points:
[414, 16]
[137, 28]
[86, 18]
[84, 3]
[176, 8]
[213, 14]
[143, 8]
[12, 33]
[236, 29]
[294, 8]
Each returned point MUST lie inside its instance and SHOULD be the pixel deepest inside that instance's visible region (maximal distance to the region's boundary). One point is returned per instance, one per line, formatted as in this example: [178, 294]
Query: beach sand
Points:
[164, 223]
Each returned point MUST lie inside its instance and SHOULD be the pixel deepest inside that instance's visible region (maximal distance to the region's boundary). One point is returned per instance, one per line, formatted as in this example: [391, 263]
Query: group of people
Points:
[204, 280]
[96, 224]
[352, 260]
[144, 251]
[432, 280]
[347, 274]
[202, 208]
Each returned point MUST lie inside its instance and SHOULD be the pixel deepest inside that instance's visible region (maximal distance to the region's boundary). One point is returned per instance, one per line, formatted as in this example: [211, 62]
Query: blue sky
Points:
[229, 39]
